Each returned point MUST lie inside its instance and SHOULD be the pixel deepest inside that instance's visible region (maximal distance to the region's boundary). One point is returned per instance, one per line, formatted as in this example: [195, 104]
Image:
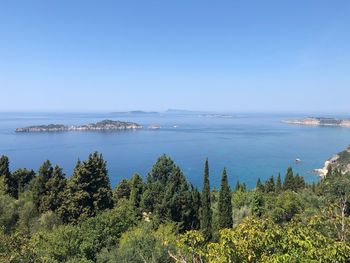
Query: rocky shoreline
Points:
[105, 125]
[319, 121]
[340, 161]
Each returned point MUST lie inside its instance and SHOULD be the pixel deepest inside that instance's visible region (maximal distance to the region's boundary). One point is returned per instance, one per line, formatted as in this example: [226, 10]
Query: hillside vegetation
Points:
[48, 217]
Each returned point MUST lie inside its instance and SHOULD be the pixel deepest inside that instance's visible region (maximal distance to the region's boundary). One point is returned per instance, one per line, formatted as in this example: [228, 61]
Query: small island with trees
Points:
[105, 125]
[320, 121]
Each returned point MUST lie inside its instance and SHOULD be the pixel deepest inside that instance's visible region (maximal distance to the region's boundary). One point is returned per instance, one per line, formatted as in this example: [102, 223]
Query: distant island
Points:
[105, 125]
[136, 112]
[320, 121]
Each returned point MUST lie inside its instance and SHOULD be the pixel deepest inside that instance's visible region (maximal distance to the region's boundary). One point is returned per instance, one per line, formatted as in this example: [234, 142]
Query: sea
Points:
[249, 146]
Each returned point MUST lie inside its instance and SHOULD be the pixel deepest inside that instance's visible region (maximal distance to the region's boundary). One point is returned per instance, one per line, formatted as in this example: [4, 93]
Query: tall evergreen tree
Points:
[136, 190]
[206, 212]
[166, 193]
[156, 182]
[259, 185]
[55, 187]
[23, 178]
[10, 184]
[270, 185]
[238, 186]
[88, 190]
[289, 180]
[299, 182]
[258, 204]
[196, 204]
[177, 201]
[244, 187]
[40, 189]
[278, 184]
[225, 204]
[122, 190]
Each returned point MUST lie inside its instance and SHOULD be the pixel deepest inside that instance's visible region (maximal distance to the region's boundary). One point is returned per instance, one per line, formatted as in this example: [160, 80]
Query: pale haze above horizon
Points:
[246, 56]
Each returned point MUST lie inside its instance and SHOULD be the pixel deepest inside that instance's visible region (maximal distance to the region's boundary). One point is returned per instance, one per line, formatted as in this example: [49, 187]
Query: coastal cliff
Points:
[319, 121]
[105, 125]
[340, 161]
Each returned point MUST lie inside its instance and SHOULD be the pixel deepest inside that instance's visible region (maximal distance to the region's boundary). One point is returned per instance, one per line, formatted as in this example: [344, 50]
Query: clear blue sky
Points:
[194, 54]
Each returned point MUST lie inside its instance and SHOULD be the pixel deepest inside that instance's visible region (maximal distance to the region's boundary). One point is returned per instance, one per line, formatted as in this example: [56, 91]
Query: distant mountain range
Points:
[140, 112]
[208, 114]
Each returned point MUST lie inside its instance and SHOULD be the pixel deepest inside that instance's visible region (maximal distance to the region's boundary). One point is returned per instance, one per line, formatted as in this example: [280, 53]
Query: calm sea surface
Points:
[249, 146]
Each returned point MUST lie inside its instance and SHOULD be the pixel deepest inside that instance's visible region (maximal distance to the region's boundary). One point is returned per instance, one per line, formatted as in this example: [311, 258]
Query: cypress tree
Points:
[289, 180]
[278, 184]
[299, 182]
[270, 185]
[206, 212]
[136, 189]
[238, 186]
[258, 204]
[244, 187]
[259, 185]
[196, 204]
[225, 203]
[10, 184]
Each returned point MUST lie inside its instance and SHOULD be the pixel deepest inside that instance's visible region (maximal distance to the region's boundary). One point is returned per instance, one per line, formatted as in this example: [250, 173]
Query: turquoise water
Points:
[248, 145]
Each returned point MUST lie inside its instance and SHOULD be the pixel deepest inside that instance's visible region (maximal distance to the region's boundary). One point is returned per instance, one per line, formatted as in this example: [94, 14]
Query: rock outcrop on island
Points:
[105, 125]
[319, 121]
[340, 161]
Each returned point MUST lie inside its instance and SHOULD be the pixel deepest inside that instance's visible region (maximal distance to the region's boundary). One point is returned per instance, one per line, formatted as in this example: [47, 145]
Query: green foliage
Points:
[258, 204]
[122, 190]
[270, 185]
[287, 205]
[88, 190]
[8, 213]
[52, 219]
[225, 204]
[278, 184]
[40, 189]
[240, 187]
[55, 188]
[206, 212]
[259, 186]
[264, 241]
[156, 182]
[289, 180]
[16, 248]
[27, 222]
[195, 211]
[136, 190]
[10, 184]
[23, 177]
[293, 183]
[142, 244]
[336, 188]
[167, 194]
[85, 240]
